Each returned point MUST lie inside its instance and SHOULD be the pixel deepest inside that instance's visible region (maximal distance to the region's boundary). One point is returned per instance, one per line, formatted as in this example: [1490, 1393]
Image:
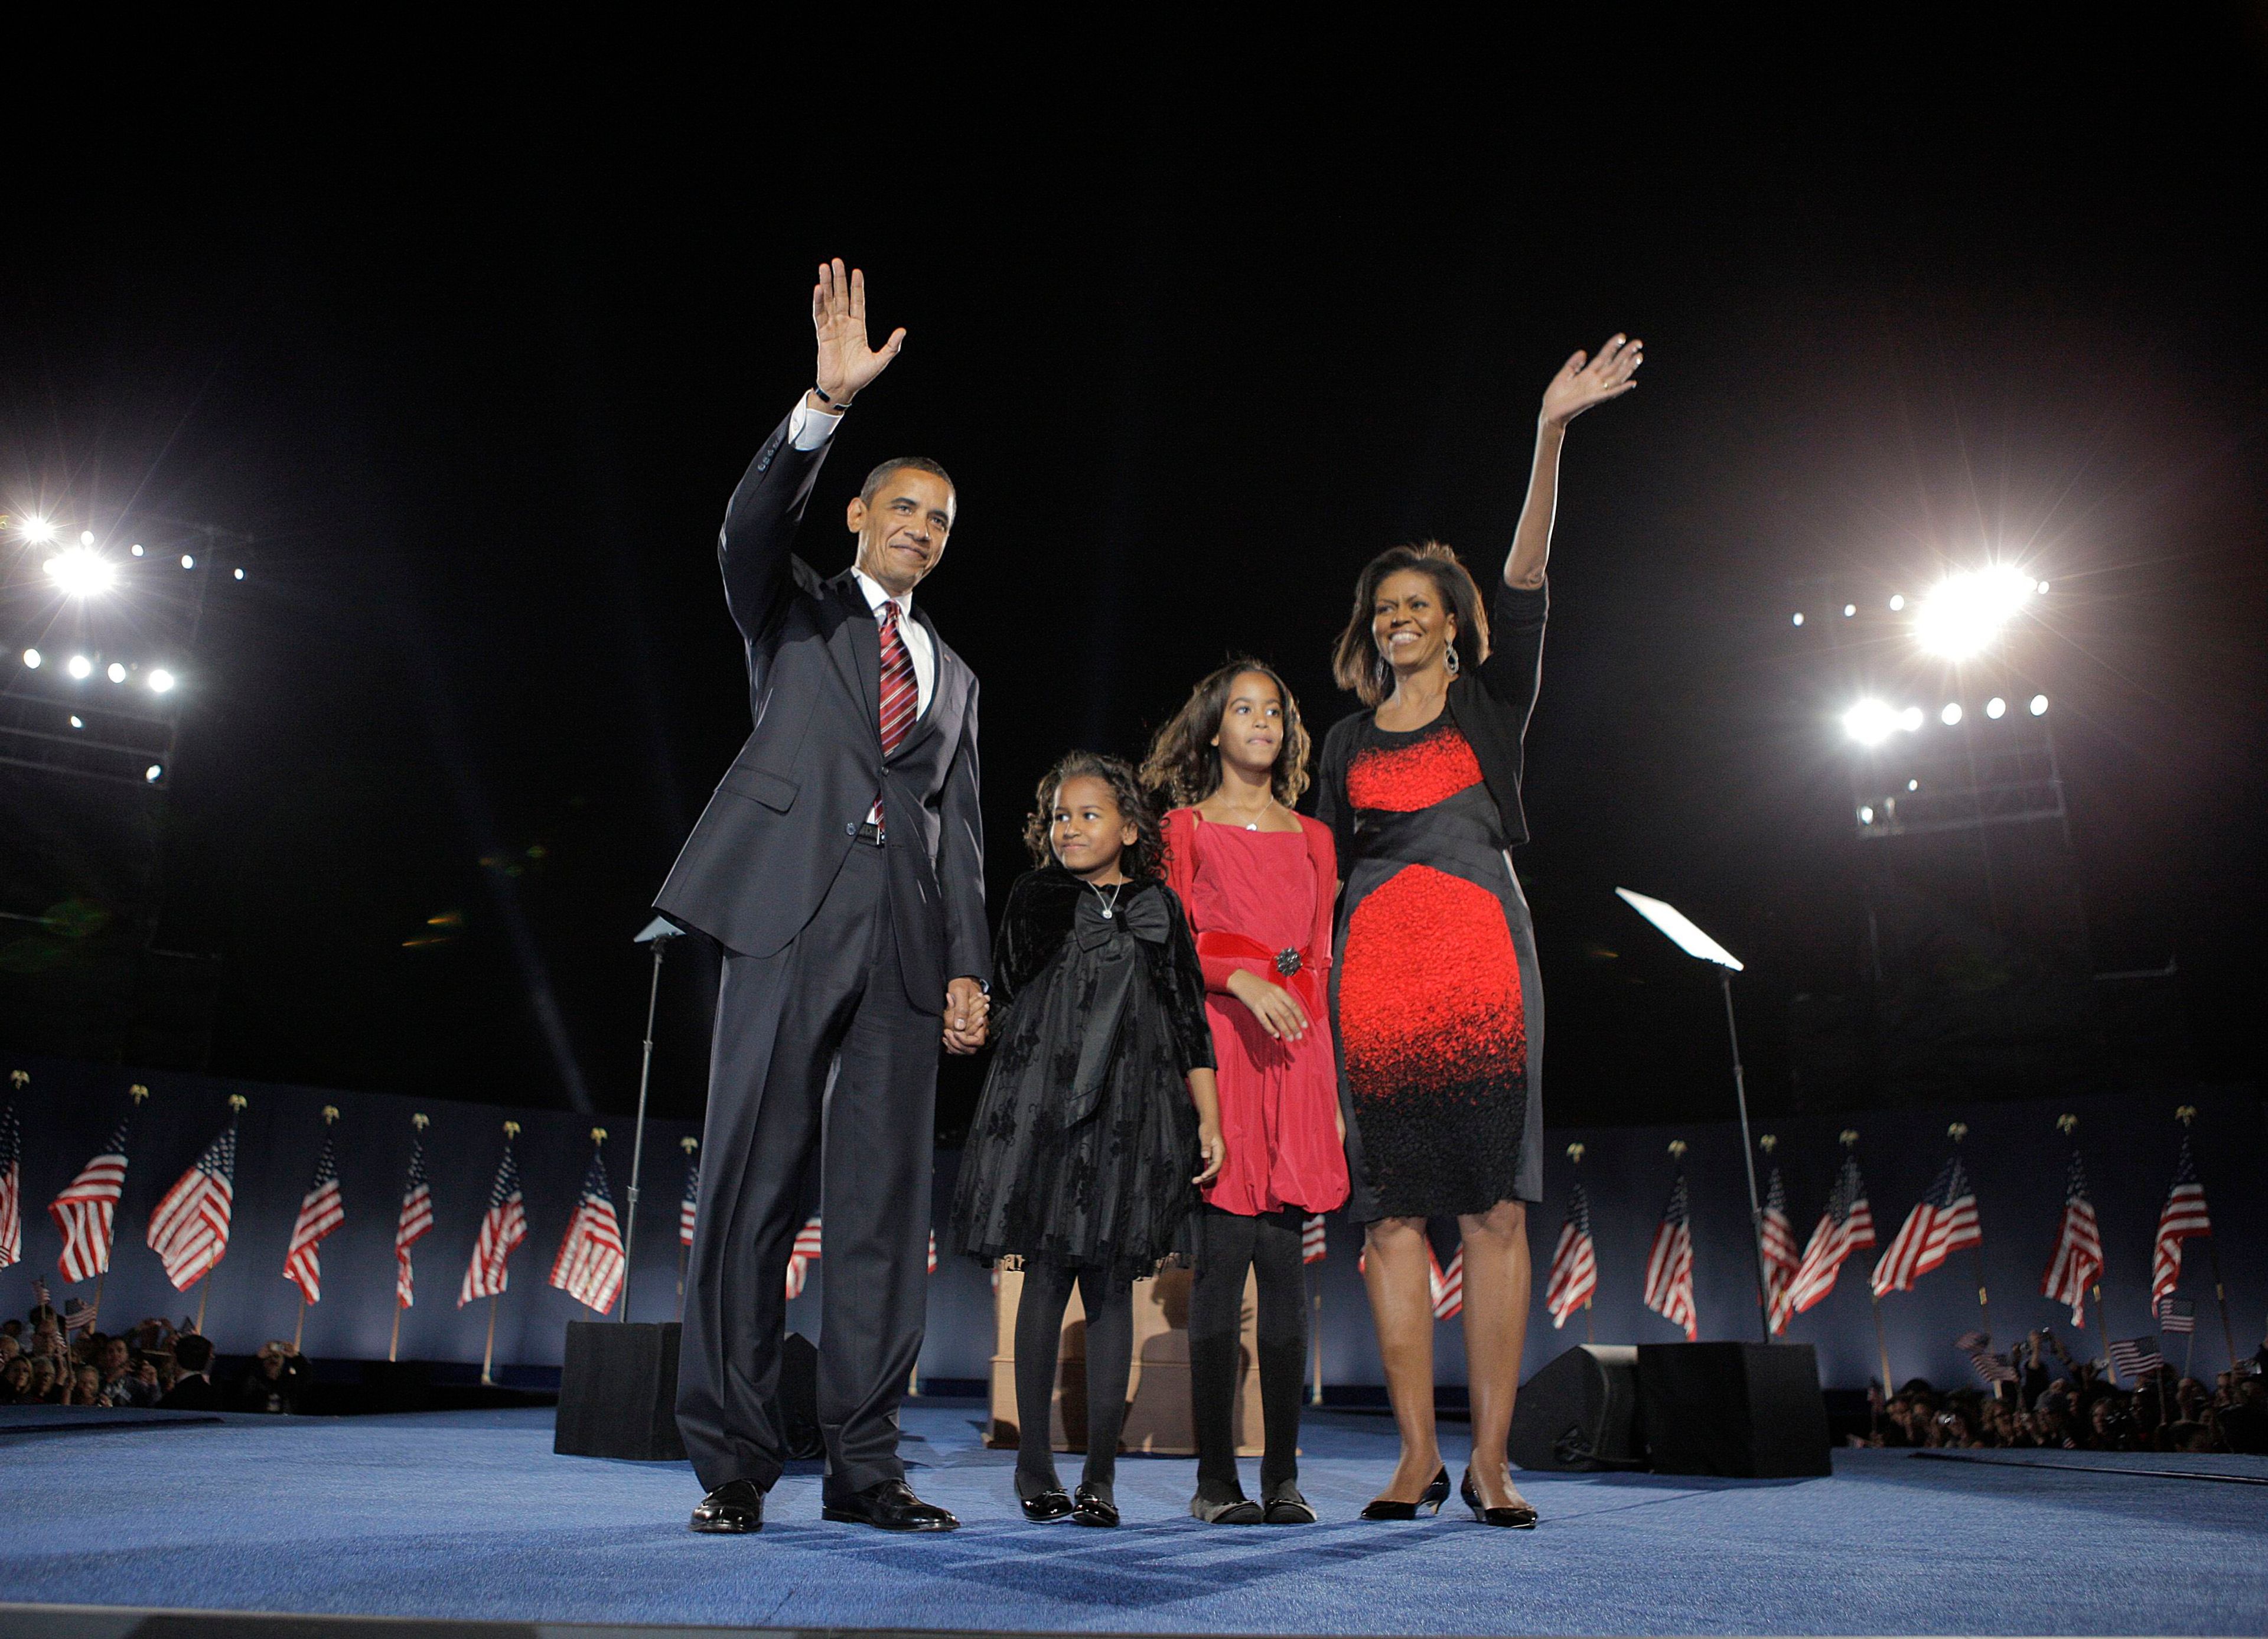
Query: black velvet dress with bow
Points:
[1085, 1141]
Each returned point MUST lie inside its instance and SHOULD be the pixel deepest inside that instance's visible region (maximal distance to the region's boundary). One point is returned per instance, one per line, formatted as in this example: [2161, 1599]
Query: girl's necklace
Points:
[1110, 905]
[1254, 824]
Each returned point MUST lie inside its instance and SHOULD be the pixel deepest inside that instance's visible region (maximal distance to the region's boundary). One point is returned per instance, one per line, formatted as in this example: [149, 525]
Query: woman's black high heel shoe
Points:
[1518, 1516]
[1434, 1496]
[1043, 1507]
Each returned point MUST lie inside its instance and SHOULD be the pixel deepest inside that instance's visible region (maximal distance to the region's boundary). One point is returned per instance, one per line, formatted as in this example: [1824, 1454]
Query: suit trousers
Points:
[782, 1021]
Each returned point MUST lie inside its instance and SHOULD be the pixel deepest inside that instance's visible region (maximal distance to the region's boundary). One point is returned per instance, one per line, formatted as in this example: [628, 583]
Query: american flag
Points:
[933, 1252]
[805, 1253]
[2176, 1315]
[1846, 1224]
[503, 1227]
[2136, 1358]
[84, 1212]
[1781, 1258]
[11, 1188]
[1670, 1264]
[412, 1226]
[1313, 1244]
[1942, 1222]
[689, 1201]
[1447, 1285]
[589, 1267]
[190, 1228]
[2078, 1260]
[2183, 1215]
[321, 1210]
[1993, 1370]
[1574, 1261]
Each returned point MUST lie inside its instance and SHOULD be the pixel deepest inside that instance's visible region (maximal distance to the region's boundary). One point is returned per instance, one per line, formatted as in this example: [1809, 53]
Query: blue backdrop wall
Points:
[2014, 1154]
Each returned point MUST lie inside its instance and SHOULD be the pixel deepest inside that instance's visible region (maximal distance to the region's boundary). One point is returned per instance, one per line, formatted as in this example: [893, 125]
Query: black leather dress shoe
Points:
[1093, 1505]
[889, 1506]
[731, 1508]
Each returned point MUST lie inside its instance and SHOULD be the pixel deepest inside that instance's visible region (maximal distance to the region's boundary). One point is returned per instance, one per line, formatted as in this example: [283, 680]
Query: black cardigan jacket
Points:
[1489, 703]
[1042, 908]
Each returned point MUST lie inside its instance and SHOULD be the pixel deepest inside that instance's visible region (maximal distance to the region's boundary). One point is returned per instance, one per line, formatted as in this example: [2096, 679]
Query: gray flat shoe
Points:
[1287, 1507]
[1238, 1510]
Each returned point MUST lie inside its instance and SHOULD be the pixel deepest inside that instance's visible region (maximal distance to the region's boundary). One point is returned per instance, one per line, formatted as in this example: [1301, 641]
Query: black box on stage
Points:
[618, 1392]
[391, 1385]
[1580, 1412]
[1747, 1411]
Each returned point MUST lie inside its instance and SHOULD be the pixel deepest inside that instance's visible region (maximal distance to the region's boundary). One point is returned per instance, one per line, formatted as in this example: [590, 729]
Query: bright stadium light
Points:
[37, 529]
[80, 572]
[239, 574]
[80, 666]
[115, 673]
[1963, 613]
[77, 722]
[1897, 601]
[161, 682]
[33, 659]
[188, 562]
[1996, 708]
[1951, 715]
[138, 548]
[1850, 609]
[87, 537]
[1865, 814]
[1799, 617]
[2039, 705]
[153, 773]
[1870, 722]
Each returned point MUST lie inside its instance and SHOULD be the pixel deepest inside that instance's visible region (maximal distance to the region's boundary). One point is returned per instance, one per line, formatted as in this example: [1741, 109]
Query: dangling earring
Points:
[1450, 659]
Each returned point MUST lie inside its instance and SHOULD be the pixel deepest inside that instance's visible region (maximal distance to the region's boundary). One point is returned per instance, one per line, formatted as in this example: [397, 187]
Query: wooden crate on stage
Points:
[1158, 1418]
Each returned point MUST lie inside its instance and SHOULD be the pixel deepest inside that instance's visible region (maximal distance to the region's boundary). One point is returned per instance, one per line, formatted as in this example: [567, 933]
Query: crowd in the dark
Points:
[2055, 1402]
[46, 1361]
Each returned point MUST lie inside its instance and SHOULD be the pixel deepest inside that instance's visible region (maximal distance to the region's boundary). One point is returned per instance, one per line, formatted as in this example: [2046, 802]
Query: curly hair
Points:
[1145, 856]
[1185, 764]
[1356, 661]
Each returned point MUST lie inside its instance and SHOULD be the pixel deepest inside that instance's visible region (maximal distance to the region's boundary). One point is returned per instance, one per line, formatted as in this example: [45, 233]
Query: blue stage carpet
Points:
[470, 1515]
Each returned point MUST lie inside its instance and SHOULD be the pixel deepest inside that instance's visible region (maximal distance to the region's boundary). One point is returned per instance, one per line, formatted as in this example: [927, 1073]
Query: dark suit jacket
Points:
[1489, 703]
[764, 852]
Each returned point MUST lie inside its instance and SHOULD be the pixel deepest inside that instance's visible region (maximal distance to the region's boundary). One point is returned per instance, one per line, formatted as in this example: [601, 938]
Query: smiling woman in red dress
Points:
[1435, 998]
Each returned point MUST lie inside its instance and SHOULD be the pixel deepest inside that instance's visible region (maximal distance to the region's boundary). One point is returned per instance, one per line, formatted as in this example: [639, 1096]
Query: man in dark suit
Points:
[841, 865]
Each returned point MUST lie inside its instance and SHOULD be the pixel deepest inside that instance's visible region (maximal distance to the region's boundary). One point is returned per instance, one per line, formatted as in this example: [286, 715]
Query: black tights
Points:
[1110, 1303]
[1269, 1244]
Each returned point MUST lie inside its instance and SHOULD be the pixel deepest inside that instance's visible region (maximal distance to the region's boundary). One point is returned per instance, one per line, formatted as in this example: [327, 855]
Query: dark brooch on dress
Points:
[1287, 962]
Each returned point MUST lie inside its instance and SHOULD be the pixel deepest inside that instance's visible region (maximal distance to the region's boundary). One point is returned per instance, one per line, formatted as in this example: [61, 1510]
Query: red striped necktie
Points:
[900, 698]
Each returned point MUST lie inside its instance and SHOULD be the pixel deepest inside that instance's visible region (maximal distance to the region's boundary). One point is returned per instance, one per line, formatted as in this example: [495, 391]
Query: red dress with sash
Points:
[1261, 901]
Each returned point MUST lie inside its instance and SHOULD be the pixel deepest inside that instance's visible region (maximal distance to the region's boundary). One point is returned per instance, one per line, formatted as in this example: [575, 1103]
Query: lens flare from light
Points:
[80, 666]
[1870, 722]
[1961, 615]
[115, 673]
[80, 572]
[161, 682]
[33, 659]
[37, 529]
[1996, 708]
[1951, 715]
[2039, 705]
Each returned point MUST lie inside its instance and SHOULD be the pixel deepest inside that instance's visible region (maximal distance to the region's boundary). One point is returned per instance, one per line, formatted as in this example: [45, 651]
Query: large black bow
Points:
[1141, 914]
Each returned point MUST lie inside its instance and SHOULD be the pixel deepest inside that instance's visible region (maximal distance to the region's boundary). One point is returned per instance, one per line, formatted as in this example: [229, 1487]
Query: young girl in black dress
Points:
[1100, 1099]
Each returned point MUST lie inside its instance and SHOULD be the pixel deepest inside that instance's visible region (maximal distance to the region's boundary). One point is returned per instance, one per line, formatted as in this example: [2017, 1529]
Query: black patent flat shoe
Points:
[1045, 1507]
[1091, 1507]
[1517, 1516]
[1435, 1494]
[732, 1508]
[1286, 1507]
[1238, 1510]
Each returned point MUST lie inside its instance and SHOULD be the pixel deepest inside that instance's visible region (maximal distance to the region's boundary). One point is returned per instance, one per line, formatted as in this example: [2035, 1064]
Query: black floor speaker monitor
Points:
[1739, 1410]
[1579, 1411]
[618, 1392]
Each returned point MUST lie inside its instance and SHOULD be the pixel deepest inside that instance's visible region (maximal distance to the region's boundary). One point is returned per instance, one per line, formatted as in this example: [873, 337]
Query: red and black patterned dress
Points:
[1435, 997]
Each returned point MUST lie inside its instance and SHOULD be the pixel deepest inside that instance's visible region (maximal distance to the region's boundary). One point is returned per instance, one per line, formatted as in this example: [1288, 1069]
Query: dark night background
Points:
[477, 364]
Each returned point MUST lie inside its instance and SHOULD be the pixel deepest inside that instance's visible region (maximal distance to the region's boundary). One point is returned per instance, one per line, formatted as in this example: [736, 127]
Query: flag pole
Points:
[659, 933]
[1590, 1328]
[393, 1343]
[488, 1353]
[1957, 1132]
[1881, 1341]
[300, 1327]
[2185, 1114]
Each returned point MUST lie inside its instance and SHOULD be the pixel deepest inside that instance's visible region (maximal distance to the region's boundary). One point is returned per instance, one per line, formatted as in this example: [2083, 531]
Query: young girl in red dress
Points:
[1258, 881]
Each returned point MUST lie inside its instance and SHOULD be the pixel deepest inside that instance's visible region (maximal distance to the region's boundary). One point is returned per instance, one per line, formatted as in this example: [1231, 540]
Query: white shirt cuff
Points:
[807, 429]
